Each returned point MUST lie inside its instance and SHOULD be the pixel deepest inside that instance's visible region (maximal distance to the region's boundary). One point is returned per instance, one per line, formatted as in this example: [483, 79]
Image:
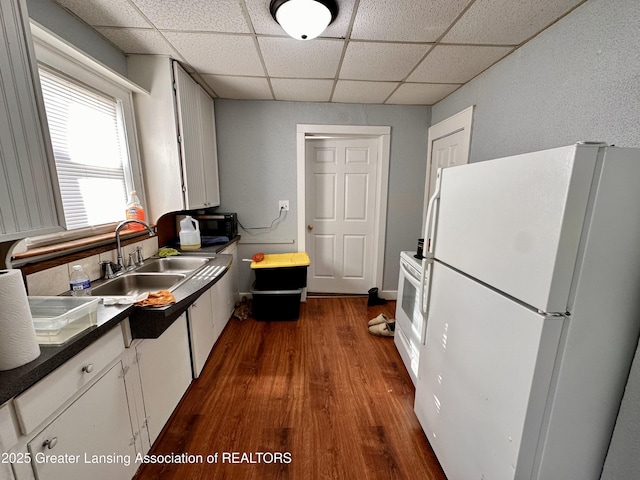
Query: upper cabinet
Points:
[177, 137]
[30, 202]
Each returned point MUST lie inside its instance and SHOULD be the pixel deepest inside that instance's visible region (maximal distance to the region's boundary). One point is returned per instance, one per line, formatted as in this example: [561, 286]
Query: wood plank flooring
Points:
[333, 400]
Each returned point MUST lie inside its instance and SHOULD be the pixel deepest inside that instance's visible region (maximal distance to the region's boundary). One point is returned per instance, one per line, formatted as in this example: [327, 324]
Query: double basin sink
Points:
[155, 274]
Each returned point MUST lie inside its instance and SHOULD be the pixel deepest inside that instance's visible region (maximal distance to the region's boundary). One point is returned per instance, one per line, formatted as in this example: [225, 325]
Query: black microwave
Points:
[218, 224]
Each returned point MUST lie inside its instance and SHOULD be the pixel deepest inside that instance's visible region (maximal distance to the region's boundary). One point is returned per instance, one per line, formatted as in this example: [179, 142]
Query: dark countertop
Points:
[145, 323]
[17, 380]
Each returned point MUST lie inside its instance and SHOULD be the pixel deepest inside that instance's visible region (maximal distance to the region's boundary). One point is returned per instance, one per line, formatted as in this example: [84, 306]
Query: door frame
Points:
[383, 134]
[462, 120]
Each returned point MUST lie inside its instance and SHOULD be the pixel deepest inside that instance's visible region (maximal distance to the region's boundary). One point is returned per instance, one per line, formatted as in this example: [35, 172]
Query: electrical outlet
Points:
[283, 205]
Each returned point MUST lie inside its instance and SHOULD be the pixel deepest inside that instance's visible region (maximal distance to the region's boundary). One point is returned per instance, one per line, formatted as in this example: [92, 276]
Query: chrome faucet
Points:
[119, 262]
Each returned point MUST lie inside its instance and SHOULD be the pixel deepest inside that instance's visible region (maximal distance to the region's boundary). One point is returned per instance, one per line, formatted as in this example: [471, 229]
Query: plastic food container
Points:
[57, 319]
[276, 304]
[281, 271]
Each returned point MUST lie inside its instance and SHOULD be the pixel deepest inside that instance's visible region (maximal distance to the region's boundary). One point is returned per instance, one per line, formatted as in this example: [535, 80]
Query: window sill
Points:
[41, 258]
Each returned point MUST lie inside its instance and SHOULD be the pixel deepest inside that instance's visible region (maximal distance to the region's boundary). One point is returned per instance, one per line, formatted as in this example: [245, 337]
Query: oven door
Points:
[408, 304]
[409, 318]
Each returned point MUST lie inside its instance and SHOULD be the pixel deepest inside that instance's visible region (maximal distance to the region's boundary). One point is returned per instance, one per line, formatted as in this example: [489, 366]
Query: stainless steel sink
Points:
[135, 283]
[173, 264]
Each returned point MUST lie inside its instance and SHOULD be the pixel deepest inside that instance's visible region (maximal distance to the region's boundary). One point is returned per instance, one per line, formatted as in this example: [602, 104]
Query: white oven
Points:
[409, 319]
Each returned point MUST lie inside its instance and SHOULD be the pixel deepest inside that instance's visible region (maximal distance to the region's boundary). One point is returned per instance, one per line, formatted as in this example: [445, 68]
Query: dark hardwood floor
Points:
[317, 398]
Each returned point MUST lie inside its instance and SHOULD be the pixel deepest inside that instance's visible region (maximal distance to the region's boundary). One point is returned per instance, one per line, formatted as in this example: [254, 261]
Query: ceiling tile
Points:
[405, 20]
[196, 15]
[370, 48]
[349, 91]
[305, 90]
[507, 22]
[380, 61]
[138, 40]
[106, 13]
[240, 88]
[264, 24]
[456, 63]
[420, 93]
[286, 57]
[218, 54]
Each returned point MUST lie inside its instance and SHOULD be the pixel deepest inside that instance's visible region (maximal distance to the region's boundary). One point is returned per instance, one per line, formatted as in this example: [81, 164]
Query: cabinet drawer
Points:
[50, 393]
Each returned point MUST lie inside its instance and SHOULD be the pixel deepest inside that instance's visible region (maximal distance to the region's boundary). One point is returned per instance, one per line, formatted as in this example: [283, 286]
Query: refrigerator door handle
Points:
[429, 236]
[425, 284]
[430, 223]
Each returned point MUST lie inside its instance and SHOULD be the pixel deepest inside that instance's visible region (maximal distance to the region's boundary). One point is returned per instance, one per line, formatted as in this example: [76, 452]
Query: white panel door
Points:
[446, 152]
[515, 223]
[340, 213]
[449, 145]
[484, 375]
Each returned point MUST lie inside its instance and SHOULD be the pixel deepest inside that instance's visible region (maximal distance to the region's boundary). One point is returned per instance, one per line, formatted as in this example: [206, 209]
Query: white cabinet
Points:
[234, 273]
[8, 438]
[92, 438]
[177, 136]
[196, 121]
[207, 318]
[75, 423]
[136, 401]
[30, 202]
[223, 300]
[165, 374]
[202, 330]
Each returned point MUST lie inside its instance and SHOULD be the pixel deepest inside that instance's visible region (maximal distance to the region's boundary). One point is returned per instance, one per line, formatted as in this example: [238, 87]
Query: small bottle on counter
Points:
[79, 282]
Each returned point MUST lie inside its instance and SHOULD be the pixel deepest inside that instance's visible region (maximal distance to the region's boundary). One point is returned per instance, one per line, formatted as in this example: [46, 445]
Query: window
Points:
[89, 110]
[88, 139]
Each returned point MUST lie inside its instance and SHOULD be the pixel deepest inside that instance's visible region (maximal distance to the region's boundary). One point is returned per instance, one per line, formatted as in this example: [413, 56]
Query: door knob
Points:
[309, 227]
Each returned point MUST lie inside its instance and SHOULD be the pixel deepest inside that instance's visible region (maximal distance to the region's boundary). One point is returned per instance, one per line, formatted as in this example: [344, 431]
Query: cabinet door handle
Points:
[88, 368]
[50, 443]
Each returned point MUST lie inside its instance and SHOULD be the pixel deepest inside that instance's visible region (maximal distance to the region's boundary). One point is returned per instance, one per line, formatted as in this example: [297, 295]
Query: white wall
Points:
[55, 18]
[257, 161]
[578, 80]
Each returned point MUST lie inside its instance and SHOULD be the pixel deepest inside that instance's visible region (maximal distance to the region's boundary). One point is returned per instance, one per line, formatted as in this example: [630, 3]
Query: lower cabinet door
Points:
[92, 438]
[165, 374]
[202, 331]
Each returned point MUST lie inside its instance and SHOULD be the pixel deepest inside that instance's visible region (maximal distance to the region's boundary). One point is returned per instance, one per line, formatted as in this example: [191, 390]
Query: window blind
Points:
[90, 152]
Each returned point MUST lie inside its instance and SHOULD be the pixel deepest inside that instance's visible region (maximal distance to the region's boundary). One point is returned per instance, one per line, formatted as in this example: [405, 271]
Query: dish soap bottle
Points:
[79, 282]
[134, 212]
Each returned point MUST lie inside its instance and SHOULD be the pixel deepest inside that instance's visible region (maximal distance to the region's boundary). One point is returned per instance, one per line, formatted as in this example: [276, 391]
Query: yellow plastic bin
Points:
[281, 271]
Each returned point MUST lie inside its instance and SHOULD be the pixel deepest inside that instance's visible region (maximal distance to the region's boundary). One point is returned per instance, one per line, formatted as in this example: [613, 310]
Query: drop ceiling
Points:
[402, 52]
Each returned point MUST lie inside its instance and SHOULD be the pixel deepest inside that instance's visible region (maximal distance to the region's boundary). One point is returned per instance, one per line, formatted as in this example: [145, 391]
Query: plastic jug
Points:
[189, 234]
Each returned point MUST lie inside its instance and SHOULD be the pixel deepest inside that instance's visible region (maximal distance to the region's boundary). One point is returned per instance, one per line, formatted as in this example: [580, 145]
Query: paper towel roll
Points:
[18, 344]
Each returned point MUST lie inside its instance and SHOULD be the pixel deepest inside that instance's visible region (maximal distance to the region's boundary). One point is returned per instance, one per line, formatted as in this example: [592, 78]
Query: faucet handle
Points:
[132, 262]
[106, 268]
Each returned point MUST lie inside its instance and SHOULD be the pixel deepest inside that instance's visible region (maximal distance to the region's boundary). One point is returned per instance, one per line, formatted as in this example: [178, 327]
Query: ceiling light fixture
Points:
[304, 19]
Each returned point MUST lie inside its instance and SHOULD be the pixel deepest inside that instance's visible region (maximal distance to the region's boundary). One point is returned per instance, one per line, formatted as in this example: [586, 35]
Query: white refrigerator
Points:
[531, 294]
